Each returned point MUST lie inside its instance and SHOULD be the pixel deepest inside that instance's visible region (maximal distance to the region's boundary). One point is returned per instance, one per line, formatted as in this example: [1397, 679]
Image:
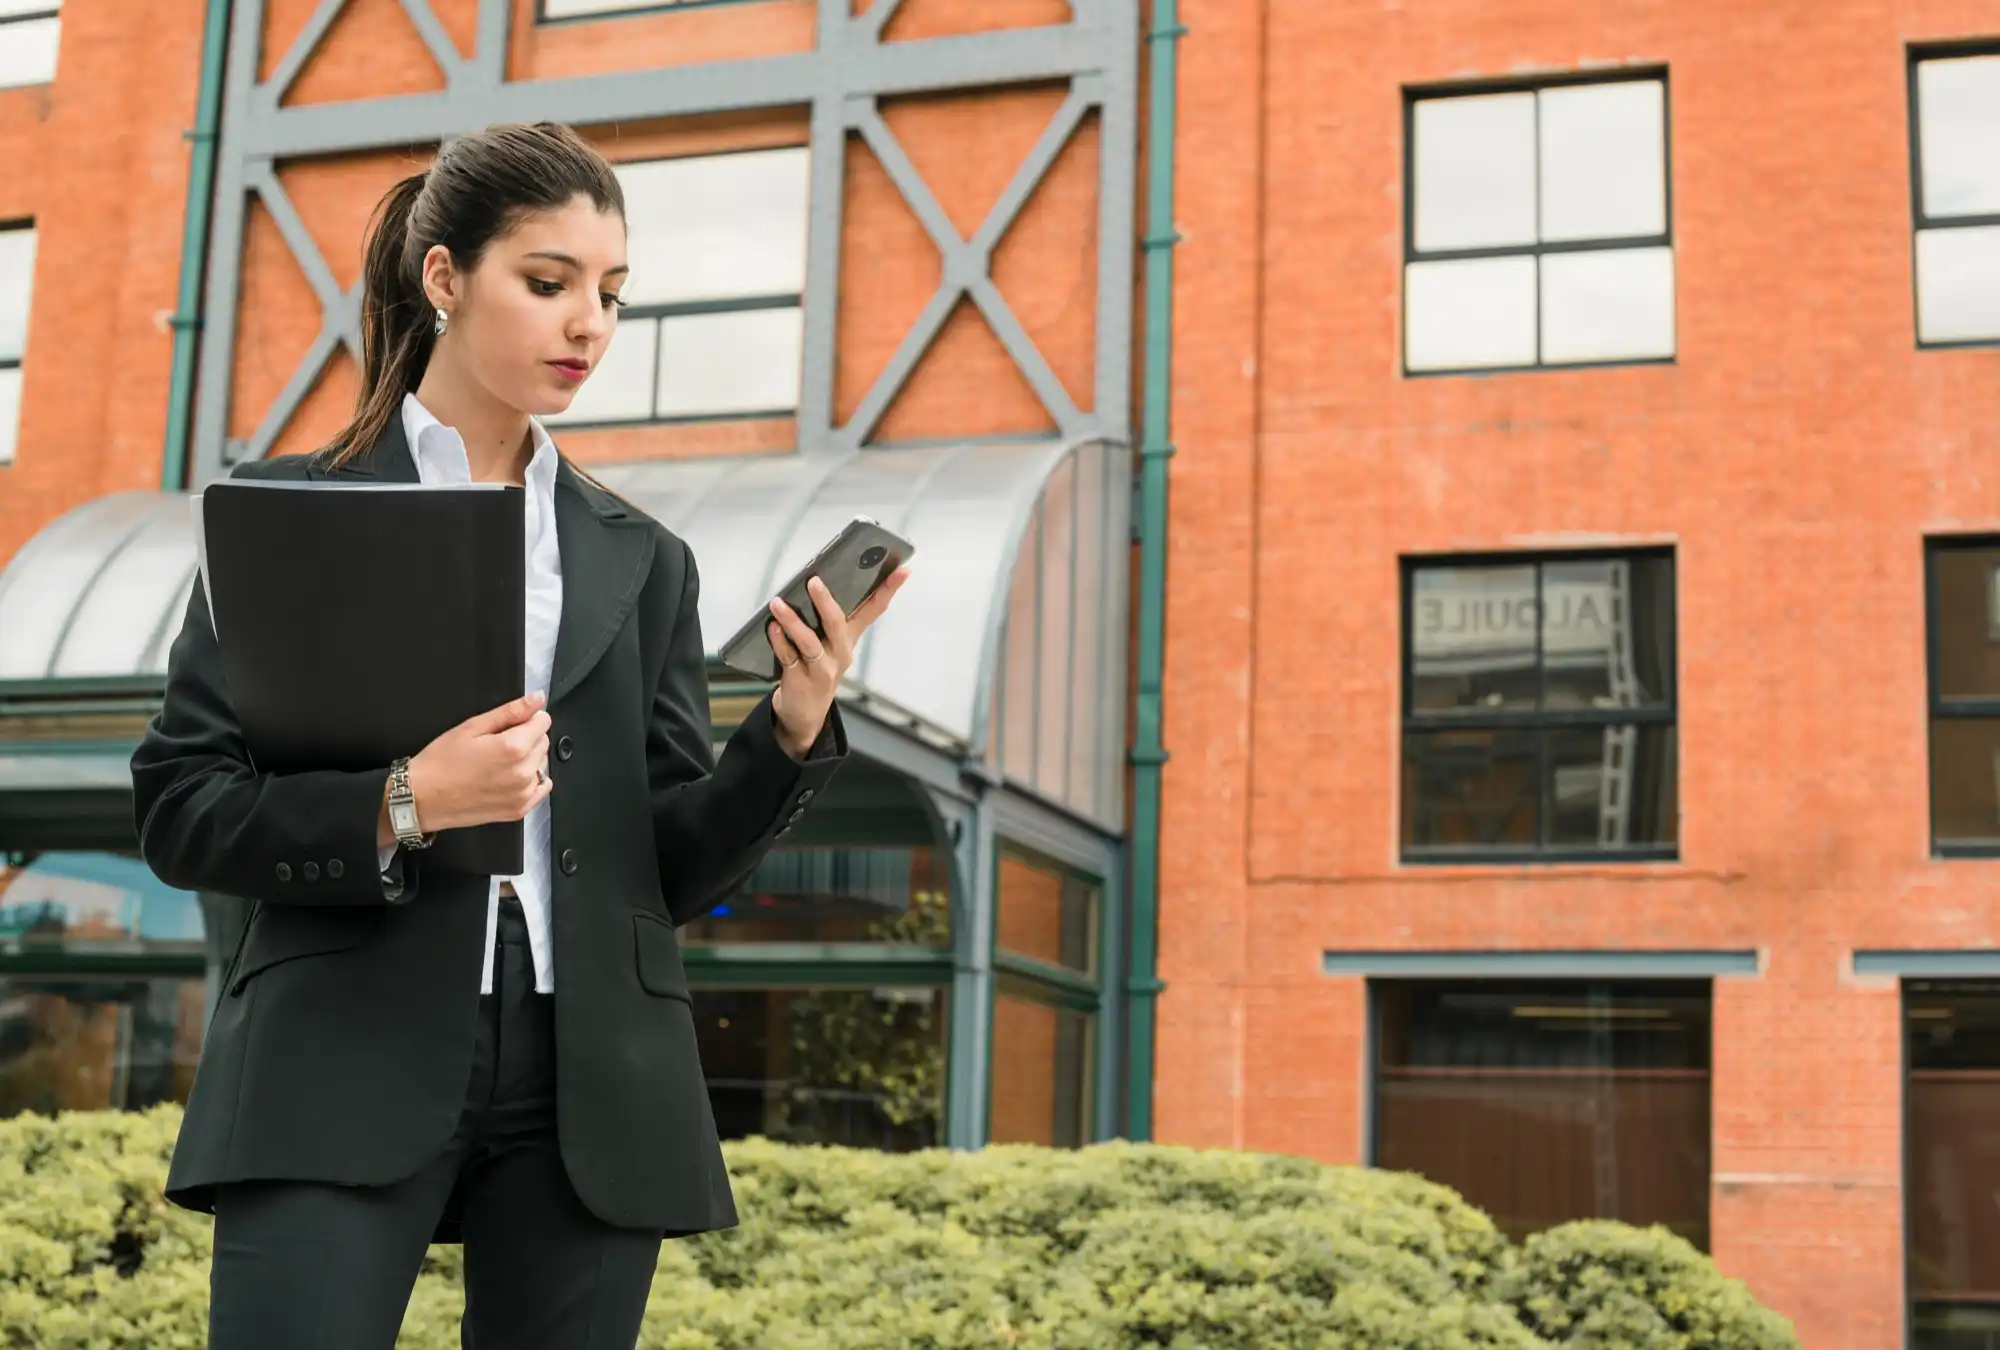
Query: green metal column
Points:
[969, 1052]
[186, 321]
[1142, 985]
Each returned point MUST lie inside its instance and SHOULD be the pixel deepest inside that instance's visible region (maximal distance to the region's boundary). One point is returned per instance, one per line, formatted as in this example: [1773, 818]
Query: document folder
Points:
[356, 623]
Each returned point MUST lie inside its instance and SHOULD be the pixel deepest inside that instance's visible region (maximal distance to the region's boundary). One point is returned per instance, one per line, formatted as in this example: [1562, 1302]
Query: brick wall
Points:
[1795, 455]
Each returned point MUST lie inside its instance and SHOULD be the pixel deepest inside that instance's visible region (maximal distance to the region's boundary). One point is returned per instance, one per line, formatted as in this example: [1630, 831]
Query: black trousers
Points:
[309, 1266]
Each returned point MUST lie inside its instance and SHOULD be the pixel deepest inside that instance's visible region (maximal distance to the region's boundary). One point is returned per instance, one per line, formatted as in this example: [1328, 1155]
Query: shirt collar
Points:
[439, 451]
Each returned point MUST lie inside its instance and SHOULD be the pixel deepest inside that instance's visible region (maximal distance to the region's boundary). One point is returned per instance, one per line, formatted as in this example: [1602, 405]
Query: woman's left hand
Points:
[810, 669]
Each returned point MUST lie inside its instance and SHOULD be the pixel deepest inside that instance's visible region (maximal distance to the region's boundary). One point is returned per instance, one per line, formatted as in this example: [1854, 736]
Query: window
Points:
[29, 30]
[17, 276]
[1549, 1101]
[1955, 123]
[1951, 1133]
[1537, 226]
[861, 1068]
[1964, 661]
[1538, 700]
[1045, 1009]
[713, 325]
[592, 9]
[102, 1004]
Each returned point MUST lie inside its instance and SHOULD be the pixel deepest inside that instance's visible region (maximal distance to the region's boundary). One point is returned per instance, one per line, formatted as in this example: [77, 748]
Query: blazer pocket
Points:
[660, 968]
[277, 935]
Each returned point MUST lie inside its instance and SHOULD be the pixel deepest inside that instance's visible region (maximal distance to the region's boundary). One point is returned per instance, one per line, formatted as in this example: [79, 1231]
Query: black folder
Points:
[357, 623]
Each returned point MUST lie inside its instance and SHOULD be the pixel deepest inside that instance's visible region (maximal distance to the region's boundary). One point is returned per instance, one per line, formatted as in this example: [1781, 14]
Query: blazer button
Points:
[284, 871]
[312, 871]
[569, 862]
[335, 868]
[797, 816]
[565, 748]
[805, 796]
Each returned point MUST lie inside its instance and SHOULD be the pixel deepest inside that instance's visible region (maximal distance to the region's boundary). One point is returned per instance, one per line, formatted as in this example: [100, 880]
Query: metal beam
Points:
[1969, 964]
[841, 80]
[969, 1056]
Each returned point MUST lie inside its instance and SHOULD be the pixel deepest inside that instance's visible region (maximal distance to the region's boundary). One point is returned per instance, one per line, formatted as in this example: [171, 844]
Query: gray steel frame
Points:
[842, 79]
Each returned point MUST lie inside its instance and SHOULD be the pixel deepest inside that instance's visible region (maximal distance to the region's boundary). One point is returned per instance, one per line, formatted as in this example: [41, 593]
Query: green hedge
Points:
[1012, 1248]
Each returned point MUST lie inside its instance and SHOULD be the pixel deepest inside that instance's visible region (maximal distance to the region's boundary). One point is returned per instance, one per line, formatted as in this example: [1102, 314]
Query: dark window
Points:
[1963, 584]
[1955, 191]
[1043, 1060]
[1538, 225]
[1538, 700]
[863, 1068]
[1952, 1134]
[1549, 1101]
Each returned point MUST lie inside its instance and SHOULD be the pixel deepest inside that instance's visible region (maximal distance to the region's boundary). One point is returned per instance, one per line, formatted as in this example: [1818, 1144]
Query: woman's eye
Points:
[541, 287]
[610, 300]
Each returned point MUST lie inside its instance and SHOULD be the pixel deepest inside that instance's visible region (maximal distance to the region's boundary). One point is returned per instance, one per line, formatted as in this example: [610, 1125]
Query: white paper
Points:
[201, 554]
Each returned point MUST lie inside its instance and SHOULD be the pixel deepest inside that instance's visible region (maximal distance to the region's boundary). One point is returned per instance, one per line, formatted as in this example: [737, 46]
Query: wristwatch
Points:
[403, 809]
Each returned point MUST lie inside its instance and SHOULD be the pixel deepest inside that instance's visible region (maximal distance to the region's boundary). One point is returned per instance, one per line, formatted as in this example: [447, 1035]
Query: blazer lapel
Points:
[607, 553]
[389, 460]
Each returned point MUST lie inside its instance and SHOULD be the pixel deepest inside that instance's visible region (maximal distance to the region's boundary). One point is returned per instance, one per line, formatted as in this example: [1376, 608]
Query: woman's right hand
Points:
[488, 768]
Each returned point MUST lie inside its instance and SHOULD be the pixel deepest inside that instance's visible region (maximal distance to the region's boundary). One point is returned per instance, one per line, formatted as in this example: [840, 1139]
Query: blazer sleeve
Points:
[715, 818]
[209, 821]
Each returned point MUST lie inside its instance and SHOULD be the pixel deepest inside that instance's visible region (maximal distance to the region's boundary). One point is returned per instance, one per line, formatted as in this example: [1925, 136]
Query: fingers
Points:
[525, 737]
[511, 713]
[781, 646]
[871, 609]
[804, 641]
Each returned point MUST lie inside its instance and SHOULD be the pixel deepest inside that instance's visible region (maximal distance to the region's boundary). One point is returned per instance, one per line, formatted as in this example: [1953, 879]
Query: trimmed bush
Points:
[1115, 1247]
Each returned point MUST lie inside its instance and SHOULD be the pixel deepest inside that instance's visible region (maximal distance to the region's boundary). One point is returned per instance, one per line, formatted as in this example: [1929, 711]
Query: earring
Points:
[443, 320]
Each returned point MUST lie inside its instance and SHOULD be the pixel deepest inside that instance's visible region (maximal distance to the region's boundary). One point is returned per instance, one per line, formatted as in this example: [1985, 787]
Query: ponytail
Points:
[396, 332]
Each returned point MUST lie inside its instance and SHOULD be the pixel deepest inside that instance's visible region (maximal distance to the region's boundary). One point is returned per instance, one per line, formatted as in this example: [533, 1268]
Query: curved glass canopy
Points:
[1007, 645]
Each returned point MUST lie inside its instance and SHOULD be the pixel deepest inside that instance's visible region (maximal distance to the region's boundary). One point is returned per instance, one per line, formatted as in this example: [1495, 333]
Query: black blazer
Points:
[343, 1033]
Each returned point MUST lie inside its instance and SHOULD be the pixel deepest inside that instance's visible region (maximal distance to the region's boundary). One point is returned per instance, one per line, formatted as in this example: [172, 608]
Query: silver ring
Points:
[540, 777]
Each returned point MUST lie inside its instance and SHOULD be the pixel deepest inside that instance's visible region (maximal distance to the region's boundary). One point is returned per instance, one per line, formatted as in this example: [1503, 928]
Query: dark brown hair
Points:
[479, 187]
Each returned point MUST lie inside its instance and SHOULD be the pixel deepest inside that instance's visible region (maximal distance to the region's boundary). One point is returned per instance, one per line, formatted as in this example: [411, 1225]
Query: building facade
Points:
[1573, 623]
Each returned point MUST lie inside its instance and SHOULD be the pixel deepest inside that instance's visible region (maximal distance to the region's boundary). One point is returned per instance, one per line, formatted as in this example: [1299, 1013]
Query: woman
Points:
[397, 1050]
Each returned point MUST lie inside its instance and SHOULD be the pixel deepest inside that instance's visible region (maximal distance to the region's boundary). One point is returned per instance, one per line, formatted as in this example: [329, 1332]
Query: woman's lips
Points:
[570, 370]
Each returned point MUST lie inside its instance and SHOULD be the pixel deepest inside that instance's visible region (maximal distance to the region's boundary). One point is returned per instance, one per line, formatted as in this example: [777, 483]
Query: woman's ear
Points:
[441, 280]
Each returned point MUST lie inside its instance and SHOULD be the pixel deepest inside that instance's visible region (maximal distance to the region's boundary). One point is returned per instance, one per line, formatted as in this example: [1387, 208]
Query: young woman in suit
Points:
[402, 1055]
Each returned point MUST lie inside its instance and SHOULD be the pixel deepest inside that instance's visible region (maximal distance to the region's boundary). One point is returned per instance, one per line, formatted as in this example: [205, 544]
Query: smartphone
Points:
[852, 564]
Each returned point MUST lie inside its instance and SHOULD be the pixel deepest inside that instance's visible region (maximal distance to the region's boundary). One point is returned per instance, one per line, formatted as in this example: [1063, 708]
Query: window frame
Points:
[1916, 54]
[656, 313]
[1428, 92]
[1666, 714]
[1938, 707]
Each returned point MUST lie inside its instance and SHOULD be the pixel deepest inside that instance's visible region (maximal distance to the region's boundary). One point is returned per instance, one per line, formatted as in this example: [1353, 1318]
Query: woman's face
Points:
[532, 320]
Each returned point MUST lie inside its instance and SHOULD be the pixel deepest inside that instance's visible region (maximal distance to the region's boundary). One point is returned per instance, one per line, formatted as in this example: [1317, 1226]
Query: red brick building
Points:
[1580, 605]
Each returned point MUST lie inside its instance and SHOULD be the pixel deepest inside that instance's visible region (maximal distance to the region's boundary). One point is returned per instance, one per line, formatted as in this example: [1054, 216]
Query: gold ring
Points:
[810, 659]
[787, 664]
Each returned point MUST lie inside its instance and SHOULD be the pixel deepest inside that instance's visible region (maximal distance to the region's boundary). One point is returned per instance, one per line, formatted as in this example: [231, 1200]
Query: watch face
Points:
[402, 817]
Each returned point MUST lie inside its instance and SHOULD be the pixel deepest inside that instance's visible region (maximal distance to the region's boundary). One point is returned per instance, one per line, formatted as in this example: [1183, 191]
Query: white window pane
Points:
[17, 276]
[1470, 313]
[1475, 171]
[1617, 305]
[1958, 284]
[1604, 160]
[716, 227]
[742, 362]
[28, 51]
[11, 8]
[10, 412]
[570, 9]
[1958, 118]
[621, 388]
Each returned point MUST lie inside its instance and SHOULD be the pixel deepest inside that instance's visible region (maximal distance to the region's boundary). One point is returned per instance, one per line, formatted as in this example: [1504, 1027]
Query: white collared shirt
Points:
[439, 452]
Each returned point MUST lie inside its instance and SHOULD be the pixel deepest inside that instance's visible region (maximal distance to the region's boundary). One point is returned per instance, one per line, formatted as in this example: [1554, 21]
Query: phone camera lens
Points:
[873, 557]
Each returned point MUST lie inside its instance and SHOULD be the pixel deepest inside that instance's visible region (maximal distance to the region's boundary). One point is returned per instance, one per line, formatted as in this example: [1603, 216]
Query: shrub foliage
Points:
[1115, 1247]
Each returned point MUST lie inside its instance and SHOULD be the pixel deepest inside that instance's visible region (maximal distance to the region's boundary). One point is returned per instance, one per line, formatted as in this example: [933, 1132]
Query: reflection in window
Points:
[1552, 1101]
[1957, 123]
[1965, 696]
[1952, 1035]
[17, 277]
[91, 1044]
[1538, 227]
[890, 895]
[864, 1068]
[1540, 708]
[713, 325]
[1042, 1073]
[1046, 911]
[95, 902]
